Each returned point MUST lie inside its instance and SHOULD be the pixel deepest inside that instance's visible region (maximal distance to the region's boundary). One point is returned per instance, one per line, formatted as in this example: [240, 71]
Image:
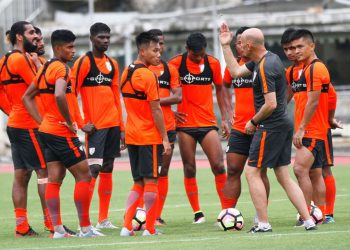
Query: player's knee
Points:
[189, 170]
[299, 172]
[107, 166]
[234, 171]
[95, 170]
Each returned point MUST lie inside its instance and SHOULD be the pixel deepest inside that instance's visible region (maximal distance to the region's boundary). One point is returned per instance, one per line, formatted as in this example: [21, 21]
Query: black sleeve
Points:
[250, 66]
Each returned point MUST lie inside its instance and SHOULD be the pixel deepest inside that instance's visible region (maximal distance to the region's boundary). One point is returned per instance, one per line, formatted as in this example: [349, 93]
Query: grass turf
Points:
[180, 233]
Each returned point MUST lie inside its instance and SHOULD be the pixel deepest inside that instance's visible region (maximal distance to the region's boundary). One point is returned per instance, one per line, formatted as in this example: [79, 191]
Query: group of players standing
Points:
[41, 101]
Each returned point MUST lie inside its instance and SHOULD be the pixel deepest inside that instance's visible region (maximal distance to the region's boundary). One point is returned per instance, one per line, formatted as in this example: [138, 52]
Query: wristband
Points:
[253, 122]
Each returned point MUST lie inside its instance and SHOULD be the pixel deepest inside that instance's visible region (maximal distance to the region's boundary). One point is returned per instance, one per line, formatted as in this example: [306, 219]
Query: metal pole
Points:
[91, 11]
[215, 30]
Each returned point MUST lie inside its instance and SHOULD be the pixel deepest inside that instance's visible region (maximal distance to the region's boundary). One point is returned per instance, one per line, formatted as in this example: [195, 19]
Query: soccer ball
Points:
[139, 220]
[316, 215]
[230, 219]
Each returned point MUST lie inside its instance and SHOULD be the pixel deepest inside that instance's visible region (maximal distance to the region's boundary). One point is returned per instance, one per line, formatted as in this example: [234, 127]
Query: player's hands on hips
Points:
[225, 130]
[298, 138]
[122, 140]
[250, 128]
[167, 147]
[180, 117]
[73, 127]
[334, 123]
[225, 35]
[89, 128]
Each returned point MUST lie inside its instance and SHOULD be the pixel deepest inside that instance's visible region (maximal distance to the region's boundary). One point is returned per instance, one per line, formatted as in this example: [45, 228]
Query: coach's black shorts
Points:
[26, 148]
[239, 143]
[270, 148]
[329, 157]
[67, 150]
[104, 143]
[197, 133]
[145, 160]
[317, 148]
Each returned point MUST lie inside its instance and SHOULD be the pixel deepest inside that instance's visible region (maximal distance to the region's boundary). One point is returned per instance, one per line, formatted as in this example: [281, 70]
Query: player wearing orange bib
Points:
[145, 132]
[58, 130]
[170, 93]
[311, 118]
[97, 79]
[17, 72]
[198, 71]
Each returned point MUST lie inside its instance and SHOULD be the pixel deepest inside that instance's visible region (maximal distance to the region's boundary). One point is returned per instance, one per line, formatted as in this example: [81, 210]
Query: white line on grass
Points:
[159, 241]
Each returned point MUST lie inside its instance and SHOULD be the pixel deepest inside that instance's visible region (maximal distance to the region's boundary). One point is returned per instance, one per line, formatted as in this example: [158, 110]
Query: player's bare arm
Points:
[333, 122]
[313, 98]
[265, 111]
[60, 95]
[29, 102]
[234, 68]
[174, 98]
[158, 118]
[220, 96]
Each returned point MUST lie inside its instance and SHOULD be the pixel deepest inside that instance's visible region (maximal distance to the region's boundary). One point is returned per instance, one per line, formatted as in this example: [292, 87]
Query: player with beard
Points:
[97, 79]
[17, 72]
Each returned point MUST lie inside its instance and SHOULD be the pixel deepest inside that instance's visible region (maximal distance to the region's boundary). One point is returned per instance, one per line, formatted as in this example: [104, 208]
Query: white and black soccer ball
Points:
[316, 214]
[230, 219]
[139, 220]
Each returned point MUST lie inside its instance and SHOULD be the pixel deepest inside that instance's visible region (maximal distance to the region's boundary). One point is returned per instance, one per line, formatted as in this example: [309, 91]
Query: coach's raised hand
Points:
[225, 35]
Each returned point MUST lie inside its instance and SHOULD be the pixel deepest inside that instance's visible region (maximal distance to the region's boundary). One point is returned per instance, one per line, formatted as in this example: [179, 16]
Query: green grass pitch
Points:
[180, 233]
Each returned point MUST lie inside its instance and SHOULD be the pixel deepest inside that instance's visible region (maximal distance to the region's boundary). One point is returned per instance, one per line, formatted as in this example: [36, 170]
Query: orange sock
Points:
[22, 224]
[330, 194]
[82, 202]
[220, 181]
[150, 196]
[229, 202]
[105, 193]
[92, 188]
[47, 220]
[162, 192]
[131, 204]
[52, 197]
[192, 193]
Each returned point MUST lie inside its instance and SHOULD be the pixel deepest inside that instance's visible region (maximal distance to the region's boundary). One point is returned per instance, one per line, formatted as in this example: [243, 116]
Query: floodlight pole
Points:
[91, 14]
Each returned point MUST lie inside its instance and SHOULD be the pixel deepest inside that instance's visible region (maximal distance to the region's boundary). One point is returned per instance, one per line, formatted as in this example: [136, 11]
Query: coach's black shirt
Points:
[269, 76]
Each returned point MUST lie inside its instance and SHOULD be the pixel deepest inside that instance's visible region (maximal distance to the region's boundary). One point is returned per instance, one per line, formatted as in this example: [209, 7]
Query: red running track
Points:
[124, 165]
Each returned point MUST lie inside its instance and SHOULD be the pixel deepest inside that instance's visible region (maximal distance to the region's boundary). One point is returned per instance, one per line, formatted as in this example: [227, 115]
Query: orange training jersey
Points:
[168, 78]
[244, 99]
[315, 77]
[17, 74]
[138, 92]
[46, 81]
[197, 90]
[97, 81]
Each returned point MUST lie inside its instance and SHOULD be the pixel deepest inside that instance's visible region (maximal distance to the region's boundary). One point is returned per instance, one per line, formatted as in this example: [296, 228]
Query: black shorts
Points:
[26, 148]
[239, 143]
[104, 143]
[270, 148]
[197, 133]
[67, 150]
[329, 157]
[172, 136]
[317, 148]
[145, 160]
